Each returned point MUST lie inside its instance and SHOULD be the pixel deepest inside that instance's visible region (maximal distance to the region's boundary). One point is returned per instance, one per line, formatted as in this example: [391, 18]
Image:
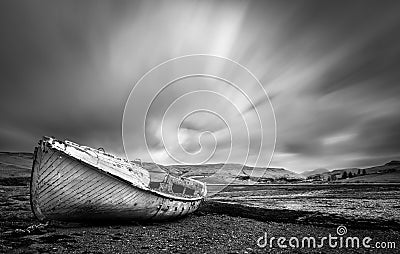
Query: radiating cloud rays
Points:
[331, 69]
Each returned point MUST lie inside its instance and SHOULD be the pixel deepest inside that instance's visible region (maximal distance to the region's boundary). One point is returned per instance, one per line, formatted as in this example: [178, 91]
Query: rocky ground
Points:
[217, 227]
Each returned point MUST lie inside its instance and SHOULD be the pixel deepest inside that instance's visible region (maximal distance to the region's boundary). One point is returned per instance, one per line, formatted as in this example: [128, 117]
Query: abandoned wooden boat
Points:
[73, 182]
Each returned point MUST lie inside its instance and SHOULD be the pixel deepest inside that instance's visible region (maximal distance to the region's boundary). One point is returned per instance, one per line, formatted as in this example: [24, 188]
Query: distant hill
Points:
[20, 159]
[314, 172]
[15, 164]
[393, 177]
[389, 172]
[19, 165]
[235, 173]
[266, 174]
[226, 173]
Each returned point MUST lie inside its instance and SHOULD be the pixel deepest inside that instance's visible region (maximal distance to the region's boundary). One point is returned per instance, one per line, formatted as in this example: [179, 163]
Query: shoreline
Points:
[216, 227]
[295, 216]
[208, 230]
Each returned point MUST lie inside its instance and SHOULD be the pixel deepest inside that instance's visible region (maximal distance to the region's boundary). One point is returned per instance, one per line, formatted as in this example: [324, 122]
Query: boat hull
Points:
[65, 188]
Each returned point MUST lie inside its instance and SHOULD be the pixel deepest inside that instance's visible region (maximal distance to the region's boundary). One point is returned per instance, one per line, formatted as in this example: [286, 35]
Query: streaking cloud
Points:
[329, 68]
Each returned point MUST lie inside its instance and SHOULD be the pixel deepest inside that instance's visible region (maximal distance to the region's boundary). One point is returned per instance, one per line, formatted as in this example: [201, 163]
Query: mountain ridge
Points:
[20, 163]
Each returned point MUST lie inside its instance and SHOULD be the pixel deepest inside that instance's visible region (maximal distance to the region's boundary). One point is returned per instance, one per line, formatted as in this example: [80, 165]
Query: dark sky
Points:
[330, 68]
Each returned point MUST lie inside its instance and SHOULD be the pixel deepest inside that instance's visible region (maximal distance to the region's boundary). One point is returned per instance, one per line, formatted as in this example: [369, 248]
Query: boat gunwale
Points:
[158, 193]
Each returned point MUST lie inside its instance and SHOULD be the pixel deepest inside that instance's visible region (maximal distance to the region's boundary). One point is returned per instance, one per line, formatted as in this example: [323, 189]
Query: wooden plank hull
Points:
[65, 188]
